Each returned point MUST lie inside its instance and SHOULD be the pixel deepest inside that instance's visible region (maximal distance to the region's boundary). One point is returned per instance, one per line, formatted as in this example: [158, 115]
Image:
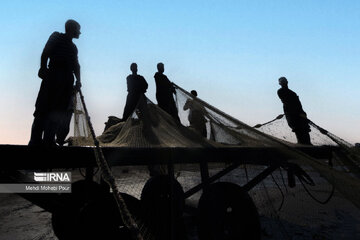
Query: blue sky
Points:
[231, 52]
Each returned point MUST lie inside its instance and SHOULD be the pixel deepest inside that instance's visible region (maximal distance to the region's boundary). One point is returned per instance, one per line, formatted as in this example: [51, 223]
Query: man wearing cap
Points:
[59, 64]
[295, 115]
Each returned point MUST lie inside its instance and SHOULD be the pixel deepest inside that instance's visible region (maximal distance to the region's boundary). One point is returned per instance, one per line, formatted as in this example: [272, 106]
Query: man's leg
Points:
[64, 127]
[303, 137]
[37, 130]
[172, 110]
[130, 106]
[50, 129]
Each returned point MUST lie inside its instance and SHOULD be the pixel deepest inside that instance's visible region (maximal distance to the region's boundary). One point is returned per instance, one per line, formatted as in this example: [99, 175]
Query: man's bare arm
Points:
[43, 71]
[77, 76]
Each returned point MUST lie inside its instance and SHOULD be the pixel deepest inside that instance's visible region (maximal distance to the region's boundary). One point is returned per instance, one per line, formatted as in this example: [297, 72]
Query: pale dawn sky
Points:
[231, 52]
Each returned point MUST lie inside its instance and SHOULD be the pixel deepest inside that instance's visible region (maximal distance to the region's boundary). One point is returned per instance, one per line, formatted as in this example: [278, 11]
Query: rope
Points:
[275, 213]
[283, 180]
[110, 180]
[84, 174]
[339, 141]
[282, 194]
[277, 118]
[350, 157]
[314, 198]
[246, 173]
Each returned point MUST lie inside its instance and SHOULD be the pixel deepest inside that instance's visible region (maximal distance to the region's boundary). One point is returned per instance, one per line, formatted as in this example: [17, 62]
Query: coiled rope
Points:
[110, 180]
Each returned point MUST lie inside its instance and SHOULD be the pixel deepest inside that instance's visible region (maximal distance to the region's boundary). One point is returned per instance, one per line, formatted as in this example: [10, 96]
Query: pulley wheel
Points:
[91, 212]
[163, 203]
[102, 220]
[162, 192]
[226, 212]
[66, 219]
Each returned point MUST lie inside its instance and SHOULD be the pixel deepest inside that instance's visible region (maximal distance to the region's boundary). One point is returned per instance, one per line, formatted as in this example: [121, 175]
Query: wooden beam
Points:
[25, 157]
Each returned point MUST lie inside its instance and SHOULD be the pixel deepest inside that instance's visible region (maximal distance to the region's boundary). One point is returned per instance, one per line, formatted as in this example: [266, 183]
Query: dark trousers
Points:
[200, 127]
[131, 102]
[61, 122]
[170, 108]
[303, 137]
[42, 133]
[46, 127]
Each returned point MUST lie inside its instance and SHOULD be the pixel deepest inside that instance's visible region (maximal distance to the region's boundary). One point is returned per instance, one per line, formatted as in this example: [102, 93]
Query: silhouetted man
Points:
[295, 115]
[196, 115]
[136, 87]
[164, 92]
[54, 99]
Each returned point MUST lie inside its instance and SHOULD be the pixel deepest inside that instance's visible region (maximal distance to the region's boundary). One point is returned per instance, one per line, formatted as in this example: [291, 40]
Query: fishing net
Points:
[279, 128]
[281, 208]
[347, 154]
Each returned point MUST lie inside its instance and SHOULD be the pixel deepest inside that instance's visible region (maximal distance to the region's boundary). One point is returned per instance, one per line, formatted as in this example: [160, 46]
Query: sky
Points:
[231, 52]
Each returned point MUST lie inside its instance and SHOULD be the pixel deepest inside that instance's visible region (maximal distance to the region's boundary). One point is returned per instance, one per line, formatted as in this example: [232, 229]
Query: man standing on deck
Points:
[51, 116]
[295, 115]
[164, 93]
[197, 114]
[136, 87]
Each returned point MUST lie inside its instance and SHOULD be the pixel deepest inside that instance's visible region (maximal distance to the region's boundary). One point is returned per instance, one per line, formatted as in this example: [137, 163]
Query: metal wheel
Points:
[66, 219]
[163, 202]
[90, 212]
[226, 212]
[101, 219]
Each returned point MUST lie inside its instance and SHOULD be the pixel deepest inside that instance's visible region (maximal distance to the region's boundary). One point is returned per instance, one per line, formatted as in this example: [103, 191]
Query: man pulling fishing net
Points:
[294, 113]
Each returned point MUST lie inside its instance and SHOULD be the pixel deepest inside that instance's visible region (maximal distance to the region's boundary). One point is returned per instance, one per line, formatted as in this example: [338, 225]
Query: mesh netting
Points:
[281, 208]
[82, 134]
[280, 129]
[221, 128]
[350, 155]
